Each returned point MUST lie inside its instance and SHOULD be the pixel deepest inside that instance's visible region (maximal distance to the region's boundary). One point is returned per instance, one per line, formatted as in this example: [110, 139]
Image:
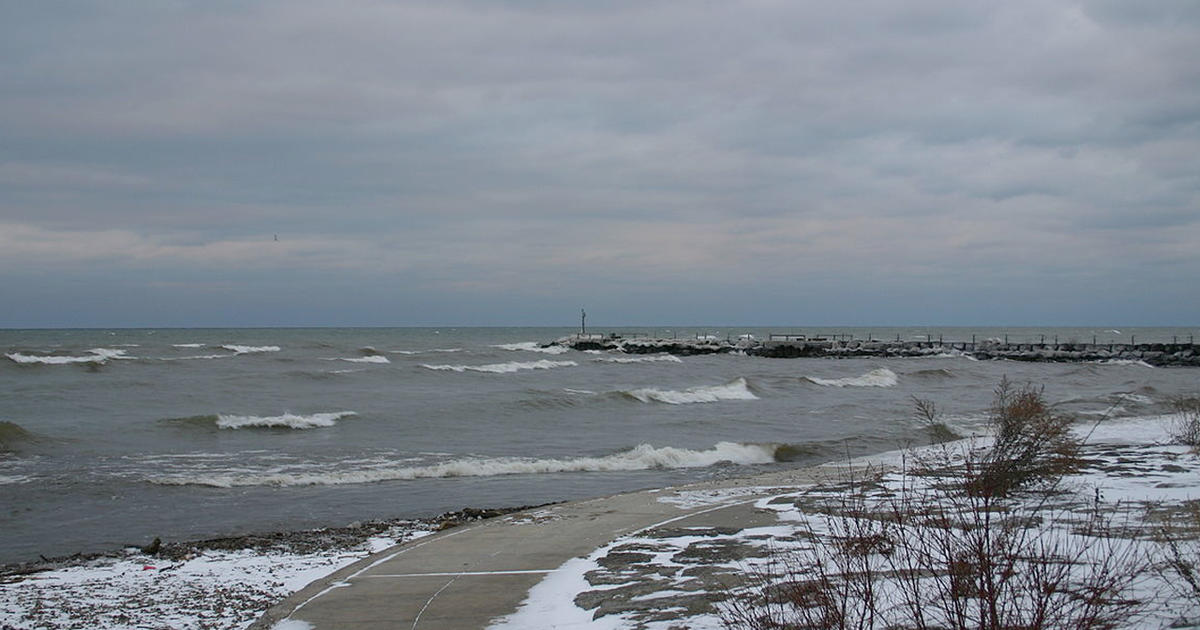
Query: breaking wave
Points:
[737, 389]
[669, 358]
[503, 368]
[187, 345]
[1137, 362]
[199, 356]
[879, 377]
[642, 457]
[97, 356]
[285, 421]
[531, 346]
[250, 349]
[370, 358]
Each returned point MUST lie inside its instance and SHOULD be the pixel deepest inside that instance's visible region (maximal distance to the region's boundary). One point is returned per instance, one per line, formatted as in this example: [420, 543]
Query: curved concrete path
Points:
[471, 575]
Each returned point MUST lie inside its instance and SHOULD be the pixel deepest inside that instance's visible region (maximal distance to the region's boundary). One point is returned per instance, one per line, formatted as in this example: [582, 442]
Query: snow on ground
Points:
[664, 578]
[210, 588]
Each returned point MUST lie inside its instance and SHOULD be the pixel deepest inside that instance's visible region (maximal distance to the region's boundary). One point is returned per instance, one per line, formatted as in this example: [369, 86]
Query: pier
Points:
[799, 346]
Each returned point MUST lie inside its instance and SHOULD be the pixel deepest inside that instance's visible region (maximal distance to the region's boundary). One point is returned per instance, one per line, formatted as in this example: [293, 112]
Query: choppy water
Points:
[110, 438]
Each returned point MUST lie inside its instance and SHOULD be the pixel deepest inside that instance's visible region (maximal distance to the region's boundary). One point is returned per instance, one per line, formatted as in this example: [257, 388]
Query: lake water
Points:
[112, 438]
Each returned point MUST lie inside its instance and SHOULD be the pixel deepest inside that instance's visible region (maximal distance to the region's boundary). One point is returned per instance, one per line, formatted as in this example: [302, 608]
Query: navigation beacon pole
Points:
[582, 322]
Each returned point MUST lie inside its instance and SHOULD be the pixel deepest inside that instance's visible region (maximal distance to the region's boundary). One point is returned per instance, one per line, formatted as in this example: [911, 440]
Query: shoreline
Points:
[299, 541]
[339, 556]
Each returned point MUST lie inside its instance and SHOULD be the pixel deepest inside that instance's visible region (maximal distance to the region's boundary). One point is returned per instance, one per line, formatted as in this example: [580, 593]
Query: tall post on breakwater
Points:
[582, 322]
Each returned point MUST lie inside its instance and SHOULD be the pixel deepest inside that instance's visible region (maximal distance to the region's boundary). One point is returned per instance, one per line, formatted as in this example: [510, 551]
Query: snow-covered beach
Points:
[666, 578]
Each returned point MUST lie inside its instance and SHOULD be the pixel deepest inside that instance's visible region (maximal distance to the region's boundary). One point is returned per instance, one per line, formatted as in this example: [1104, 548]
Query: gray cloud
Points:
[530, 154]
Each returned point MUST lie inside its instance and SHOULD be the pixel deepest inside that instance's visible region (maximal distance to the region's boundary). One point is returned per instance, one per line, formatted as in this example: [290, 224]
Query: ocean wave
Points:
[198, 357]
[430, 351]
[97, 356]
[532, 346]
[286, 421]
[668, 358]
[250, 349]
[503, 368]
[12, 436]
[879, 377]
[1137, 362]
[187, 345]
[936, 373]
[370, 358]
[643, 457]
[737, 389]
[1135, 398]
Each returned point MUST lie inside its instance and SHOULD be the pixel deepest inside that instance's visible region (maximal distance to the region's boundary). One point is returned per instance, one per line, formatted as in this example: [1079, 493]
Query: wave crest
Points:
[12, 435]
[250, 349]
[370, 358]
[503, 368]
[97, 356]
[879, 377]
[532, 346]
[669, 358]
[642, 457]
[286, 421]
[737, 389]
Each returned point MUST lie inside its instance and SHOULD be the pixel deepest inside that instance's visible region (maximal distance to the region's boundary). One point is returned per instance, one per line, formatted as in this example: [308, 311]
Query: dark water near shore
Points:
[110, 438]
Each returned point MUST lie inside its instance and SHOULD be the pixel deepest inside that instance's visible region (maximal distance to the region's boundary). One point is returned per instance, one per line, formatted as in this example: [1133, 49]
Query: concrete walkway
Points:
[471, 575]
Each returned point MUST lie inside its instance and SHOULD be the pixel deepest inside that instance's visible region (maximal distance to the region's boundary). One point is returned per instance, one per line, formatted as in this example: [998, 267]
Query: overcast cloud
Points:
[762, 162]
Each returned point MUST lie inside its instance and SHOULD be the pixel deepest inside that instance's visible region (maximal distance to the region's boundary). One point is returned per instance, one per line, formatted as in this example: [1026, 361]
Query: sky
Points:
[471, 162]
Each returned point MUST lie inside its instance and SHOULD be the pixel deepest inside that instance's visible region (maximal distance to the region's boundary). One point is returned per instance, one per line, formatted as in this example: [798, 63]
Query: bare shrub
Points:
[1185, 428]
[1032, 444]
[926, 412]
[1179, 555]
[954, 546]
[952, 561]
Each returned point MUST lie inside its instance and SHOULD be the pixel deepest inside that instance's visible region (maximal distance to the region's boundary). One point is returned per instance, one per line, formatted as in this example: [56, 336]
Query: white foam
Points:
[98, 355]
[430, 351]
[1137, 362]
[292, 624]
[199, 356]
[643, 457]
[287, 420]
[879, 377]
[532, 346]
[669, 358]
[250, 349]
[187, 345]
[373, 358]
[737, 389]
[504, 368]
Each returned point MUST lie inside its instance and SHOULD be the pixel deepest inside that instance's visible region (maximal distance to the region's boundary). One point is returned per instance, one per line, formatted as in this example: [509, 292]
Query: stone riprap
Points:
[1156, 354]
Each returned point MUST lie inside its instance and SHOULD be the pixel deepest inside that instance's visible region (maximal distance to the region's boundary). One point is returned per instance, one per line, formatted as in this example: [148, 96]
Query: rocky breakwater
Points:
[647, 345]
[1156, 354]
